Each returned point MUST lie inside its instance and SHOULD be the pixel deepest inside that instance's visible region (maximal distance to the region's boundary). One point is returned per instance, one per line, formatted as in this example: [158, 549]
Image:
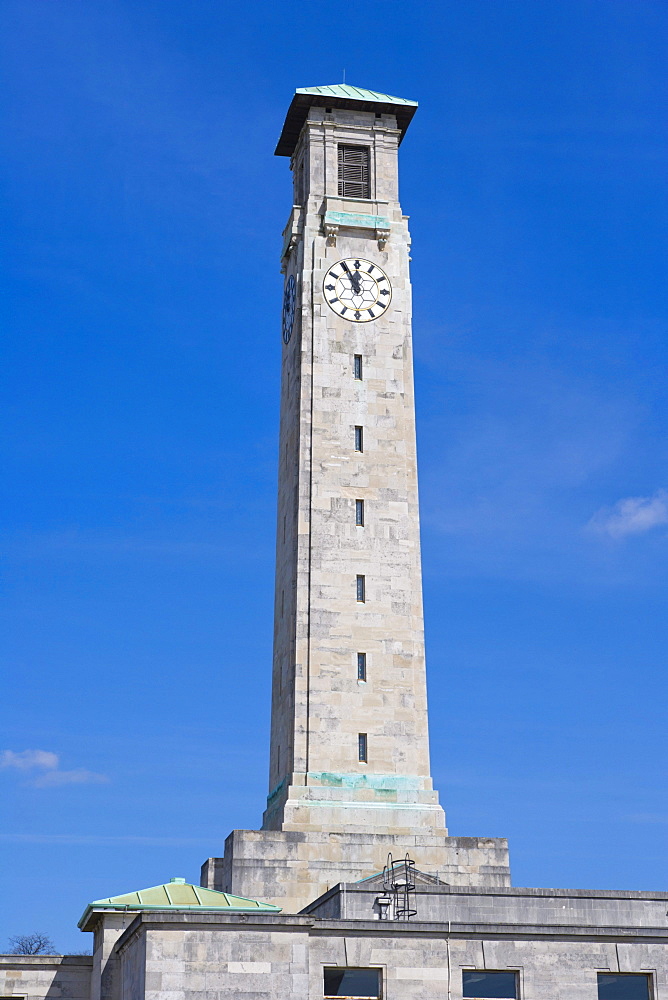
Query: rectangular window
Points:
[354, 175]
[361, 589]
[361, 666]
[359, 513]
[490, 985]
[357, 367]
[362, 747]
[623, 986]
[359, 439]
[301, 183]
[362, 984]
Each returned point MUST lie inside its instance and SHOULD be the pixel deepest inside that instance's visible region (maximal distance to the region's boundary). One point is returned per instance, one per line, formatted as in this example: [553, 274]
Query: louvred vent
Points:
[354, 172]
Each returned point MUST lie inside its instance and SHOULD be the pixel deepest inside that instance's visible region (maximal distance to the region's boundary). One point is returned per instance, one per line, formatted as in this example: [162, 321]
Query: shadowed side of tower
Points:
[349, 769]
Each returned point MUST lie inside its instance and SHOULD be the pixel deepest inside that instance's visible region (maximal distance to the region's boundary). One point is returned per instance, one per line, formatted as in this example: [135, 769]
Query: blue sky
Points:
[142, 213]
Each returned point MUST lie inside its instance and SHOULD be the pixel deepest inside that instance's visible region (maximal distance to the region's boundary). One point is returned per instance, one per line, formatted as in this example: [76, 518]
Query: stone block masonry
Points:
[350, 776]
[289, 868]
[323, 616]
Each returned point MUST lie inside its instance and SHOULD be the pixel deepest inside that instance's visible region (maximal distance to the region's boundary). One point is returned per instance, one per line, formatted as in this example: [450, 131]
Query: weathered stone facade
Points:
[46, 977]
[289, 868]
[319, 706]
[332, 818]
[557, 941]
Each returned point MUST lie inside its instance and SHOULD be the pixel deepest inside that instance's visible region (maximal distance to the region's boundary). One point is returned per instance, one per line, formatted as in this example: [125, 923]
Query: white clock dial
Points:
[357, 289]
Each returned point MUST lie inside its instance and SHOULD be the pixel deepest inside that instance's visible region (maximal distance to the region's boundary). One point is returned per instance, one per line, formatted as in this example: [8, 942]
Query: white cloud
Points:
[102, 840]
[648, 818]
[511, 448]
[26, 760]
[46, 764]
[632, 515]
[79, 776]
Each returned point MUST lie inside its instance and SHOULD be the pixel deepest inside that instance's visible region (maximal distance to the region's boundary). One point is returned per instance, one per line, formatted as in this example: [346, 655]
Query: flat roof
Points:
[339, 95]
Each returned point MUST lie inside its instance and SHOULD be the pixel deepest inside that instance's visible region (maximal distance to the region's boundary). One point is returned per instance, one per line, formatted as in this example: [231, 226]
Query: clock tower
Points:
[349, 741]
[349, 765]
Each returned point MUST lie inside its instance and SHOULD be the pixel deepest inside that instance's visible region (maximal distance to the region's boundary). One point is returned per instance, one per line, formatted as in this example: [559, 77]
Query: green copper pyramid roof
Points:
[177, 895]
[339, 95]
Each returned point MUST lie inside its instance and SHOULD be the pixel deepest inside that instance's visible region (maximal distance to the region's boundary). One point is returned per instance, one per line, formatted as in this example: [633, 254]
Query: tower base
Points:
[292, 868]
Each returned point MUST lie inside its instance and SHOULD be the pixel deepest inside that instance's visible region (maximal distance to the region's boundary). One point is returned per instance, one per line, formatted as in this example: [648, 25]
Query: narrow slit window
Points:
[361, 589]
[362, 749]
[359, 513]
[301, 183]
[359, 439]
[354, 174]
[357, 367]
[361, 666]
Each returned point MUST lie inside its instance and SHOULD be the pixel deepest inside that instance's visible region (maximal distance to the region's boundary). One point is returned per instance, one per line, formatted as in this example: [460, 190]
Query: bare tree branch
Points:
[31, 944]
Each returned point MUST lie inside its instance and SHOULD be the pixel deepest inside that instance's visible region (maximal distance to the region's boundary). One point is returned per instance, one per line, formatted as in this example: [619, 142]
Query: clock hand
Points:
[353, 277]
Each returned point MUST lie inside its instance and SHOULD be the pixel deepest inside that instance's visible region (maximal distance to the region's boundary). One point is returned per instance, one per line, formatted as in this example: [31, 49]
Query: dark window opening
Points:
[490, 985]
[359, 439]
[300, 183]
[354, 178]
[362, 984]
[357, 367]
[361, 589]
[361, 666]
[378, 114]
[362, 747]
[623, 986]
[359, 513]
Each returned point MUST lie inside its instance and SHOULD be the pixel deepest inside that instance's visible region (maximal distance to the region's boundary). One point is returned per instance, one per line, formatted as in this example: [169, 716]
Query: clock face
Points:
[357, 289]
[289, 297]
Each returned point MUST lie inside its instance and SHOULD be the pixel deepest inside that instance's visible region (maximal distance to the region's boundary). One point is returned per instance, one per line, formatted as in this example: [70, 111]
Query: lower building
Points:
[182, 942]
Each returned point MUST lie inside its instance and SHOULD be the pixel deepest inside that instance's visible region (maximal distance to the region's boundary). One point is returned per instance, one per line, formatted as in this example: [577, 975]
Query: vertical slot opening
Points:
[361, 589]
[359, 513]
[359, 438]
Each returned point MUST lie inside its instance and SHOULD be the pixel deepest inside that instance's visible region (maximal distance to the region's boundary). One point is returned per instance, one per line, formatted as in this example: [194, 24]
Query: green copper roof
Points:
[354, 94]
[177, 895]
[339, 95]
